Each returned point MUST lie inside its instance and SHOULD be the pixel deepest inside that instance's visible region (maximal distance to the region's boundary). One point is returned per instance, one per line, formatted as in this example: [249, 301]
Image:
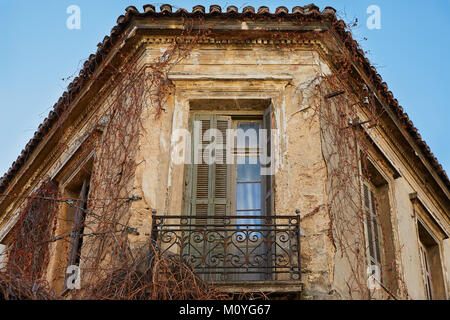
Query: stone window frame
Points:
[191, 91]
[377, 248]
[236, 88]
[424, 218]
[78, 226]
[388, 176]
[72, 168]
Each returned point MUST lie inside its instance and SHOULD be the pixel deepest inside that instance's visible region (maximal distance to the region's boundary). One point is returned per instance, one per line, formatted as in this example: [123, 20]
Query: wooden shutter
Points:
[78, 226]
[372, 225]
[201, 176]
[426, 271]
[221, 182]
[376, 228]
[210, 183]
[210, 191]
[267, 179]
[77, 230]
[267, 190]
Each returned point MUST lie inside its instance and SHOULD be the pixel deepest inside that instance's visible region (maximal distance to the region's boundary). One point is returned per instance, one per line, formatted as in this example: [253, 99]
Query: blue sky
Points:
[38, 51]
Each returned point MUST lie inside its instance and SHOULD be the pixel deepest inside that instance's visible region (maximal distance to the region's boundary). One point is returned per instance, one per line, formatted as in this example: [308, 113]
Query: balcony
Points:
[249, 252]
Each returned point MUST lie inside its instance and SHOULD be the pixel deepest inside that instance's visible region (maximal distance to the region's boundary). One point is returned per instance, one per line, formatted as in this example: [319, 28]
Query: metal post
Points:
[154, 231]
[298, 244]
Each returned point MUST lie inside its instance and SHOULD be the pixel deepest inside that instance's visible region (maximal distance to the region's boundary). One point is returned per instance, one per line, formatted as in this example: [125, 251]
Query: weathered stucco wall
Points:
[253, 72]
[412, 268]
[288, 78]
[404, 220]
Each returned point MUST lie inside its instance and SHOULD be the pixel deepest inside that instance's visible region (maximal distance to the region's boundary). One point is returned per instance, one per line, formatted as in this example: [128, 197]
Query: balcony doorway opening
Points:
[229, 232]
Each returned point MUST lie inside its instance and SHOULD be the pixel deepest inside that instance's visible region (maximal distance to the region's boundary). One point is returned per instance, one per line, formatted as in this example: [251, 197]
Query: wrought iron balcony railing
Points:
[239, 248]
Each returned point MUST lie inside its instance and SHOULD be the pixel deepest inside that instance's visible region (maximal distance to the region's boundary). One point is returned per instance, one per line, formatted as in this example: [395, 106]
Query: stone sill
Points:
[260, 287]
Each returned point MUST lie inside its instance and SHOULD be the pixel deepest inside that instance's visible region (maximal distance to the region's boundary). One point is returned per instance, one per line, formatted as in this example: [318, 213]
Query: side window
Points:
[74, 217]
[378, 225]
[76, 239]
[372, 226]
[430, 254]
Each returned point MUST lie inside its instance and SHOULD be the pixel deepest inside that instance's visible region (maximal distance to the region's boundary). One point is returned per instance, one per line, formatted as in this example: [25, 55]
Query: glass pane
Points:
[248, 196]
[248, 191]
[248, 135]
[249, 220]
[248, 169]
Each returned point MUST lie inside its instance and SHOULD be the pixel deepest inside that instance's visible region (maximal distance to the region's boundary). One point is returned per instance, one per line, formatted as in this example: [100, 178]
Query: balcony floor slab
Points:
[260, 287]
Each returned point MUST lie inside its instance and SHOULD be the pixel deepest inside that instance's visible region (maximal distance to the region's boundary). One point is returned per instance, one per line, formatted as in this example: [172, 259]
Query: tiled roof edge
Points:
[215, 10]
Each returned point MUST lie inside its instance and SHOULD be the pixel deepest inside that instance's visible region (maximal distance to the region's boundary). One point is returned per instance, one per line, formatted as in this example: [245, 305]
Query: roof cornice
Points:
[309, 13]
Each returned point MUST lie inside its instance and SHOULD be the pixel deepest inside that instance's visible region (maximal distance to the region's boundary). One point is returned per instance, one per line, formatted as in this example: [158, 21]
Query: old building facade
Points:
[261, 148]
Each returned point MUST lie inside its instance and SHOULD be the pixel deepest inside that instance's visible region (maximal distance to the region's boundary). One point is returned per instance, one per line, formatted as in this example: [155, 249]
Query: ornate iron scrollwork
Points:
[226, 249]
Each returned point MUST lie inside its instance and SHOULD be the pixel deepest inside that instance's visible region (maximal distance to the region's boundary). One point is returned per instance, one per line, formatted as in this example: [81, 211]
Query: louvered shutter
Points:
[267, 178]
[201, 171]
[372, 226]
[426, 271]
[221, 179]
[78, 227]
[376, 233]
[210, 182]
[209, 191]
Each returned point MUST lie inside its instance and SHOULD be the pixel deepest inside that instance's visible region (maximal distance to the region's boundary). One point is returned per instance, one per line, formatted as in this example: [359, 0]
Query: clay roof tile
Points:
[215, 9]
[248, 9]
[263, 10]
[281, 10]
[166, 8]
[149, 8]
[103, 48]
[232, 9]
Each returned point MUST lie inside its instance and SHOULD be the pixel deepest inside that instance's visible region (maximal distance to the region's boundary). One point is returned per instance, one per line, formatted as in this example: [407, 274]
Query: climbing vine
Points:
[115, 269]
